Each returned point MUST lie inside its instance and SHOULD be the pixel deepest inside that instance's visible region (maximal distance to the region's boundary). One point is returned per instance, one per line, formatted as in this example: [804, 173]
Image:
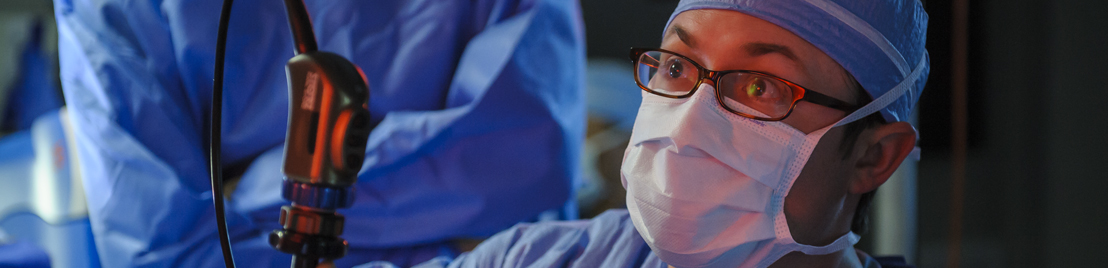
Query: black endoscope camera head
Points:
[328, 120]
[328, 128]
[324, 150]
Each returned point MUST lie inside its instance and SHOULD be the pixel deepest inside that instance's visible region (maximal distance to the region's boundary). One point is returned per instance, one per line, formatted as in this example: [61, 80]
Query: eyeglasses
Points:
[762, 96]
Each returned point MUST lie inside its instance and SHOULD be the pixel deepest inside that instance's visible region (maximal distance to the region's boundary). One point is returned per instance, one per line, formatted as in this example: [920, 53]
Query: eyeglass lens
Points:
[671, 75]
[666, 73]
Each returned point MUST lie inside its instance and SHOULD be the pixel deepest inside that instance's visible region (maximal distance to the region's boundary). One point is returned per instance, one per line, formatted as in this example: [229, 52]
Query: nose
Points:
[683, 125]
[709, 78]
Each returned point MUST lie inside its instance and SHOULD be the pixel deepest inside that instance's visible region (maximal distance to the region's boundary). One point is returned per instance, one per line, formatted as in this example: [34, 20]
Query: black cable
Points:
[214, 142]
[301, 25]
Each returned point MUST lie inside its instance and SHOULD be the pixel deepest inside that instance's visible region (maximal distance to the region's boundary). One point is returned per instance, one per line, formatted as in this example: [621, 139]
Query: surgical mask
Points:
[706, 187]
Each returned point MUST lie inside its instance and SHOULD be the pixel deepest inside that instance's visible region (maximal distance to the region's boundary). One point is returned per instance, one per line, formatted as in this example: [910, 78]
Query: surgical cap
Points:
[880, 42]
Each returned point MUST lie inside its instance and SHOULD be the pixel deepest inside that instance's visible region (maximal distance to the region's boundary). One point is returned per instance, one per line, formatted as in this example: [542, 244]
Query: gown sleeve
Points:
[505, 147]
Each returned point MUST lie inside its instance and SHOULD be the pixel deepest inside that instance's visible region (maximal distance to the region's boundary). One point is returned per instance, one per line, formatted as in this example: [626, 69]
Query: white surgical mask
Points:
[706, 187]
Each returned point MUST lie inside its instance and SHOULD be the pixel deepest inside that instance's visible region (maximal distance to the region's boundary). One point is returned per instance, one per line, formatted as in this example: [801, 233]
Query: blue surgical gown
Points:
[608, 240]
[33, 92]
[23, 254]
[478, 107]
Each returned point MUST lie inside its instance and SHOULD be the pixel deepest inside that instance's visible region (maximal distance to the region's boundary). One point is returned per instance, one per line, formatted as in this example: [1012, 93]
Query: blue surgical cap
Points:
[879, 42]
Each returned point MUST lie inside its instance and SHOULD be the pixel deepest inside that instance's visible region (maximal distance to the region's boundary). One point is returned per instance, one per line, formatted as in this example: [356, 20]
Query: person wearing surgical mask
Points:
[764, 130]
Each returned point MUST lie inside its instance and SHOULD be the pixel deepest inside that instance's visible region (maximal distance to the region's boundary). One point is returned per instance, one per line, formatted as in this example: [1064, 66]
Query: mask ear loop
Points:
[887, 98]
[851, 237]
[780, 226]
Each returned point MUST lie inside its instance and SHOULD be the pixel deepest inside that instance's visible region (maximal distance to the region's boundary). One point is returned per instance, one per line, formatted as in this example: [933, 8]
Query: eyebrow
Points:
[758, 49]
[683, 35]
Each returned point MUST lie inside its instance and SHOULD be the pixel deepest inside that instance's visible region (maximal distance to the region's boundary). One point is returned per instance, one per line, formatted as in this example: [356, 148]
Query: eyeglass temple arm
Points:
[818, 98]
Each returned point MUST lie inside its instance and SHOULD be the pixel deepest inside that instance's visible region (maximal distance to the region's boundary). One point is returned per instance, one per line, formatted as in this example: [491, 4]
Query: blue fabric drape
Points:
[478, 107]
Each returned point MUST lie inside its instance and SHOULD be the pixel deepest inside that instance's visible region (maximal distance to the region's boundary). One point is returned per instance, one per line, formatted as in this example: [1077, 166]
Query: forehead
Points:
[725, 40]
[732, 27]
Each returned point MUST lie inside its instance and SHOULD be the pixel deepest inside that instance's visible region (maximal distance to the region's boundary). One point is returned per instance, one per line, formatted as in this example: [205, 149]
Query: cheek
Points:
[807, 207]
[816, 199]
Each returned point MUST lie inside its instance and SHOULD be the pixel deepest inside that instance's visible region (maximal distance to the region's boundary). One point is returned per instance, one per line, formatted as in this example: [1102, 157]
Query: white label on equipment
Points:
[308, 102]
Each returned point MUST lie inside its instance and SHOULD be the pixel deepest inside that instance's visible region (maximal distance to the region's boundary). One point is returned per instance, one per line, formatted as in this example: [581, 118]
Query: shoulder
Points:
[608, 240]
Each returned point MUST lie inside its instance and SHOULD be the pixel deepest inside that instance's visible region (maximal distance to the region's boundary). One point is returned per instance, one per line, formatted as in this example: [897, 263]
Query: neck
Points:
[846, 258]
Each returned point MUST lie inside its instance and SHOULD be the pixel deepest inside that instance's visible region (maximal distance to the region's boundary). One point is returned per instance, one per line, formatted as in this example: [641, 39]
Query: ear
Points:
[883, 149]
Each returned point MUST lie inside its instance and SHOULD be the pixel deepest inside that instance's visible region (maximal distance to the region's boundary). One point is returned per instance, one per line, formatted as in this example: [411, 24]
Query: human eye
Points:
[761, 89]
[666, 73]
[767, 95]
[674, 68]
